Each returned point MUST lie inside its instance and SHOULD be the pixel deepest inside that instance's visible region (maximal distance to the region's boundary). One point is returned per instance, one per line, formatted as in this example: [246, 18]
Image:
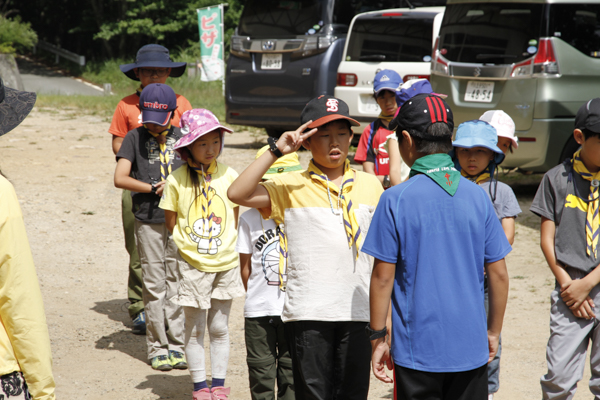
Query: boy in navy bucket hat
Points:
[370, 151]
[152, 65]
[144, 162]
[432, 236]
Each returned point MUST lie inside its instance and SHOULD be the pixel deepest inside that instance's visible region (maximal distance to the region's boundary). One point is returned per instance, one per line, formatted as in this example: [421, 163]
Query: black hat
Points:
[153, 56]
[157, 103]
[420, 112]
[588, 116]
[15, 105]
[325, 109]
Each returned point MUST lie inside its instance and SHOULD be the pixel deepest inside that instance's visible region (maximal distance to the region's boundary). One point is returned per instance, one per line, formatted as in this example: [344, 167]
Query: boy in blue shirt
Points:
[431, 237]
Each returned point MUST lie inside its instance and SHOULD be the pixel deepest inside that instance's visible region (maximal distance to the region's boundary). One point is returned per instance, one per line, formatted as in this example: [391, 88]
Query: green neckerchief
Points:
[440, 168]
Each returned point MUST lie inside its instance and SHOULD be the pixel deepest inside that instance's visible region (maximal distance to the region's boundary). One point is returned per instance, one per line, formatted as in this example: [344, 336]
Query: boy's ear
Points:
[306, 143]
[579, 136]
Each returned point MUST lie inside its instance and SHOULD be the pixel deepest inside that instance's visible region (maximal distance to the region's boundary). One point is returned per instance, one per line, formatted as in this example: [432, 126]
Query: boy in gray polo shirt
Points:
[568, 201]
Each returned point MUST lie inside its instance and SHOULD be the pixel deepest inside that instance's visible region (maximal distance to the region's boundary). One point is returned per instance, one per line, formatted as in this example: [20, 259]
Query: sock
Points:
[218, 382]
[200, 386]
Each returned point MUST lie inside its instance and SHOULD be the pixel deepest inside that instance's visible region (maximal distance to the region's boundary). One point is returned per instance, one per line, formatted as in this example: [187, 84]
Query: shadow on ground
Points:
[168, 386]
[123, 340]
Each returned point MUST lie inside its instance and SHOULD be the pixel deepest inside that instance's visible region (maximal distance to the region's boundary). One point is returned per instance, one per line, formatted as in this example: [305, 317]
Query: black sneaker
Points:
[139, 324]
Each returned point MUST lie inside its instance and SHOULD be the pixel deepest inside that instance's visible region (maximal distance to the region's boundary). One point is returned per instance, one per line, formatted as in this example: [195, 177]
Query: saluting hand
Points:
[291, 141]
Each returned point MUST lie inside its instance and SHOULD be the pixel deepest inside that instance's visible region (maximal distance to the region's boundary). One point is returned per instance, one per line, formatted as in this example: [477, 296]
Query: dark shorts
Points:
[418, 385]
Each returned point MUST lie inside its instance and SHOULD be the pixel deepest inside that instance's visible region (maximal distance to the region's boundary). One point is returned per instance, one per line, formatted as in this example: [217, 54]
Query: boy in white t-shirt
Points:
[268, 356]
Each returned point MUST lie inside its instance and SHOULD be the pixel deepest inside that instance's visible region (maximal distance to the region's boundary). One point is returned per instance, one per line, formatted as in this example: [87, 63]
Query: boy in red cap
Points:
[153, 65]
[326, 211]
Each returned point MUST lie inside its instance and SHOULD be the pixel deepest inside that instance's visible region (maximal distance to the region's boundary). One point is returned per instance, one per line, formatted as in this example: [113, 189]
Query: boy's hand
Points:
[575, 292]
[493, 343]
[291, 141]
[380, 358]
[160, 186]
[585, 310]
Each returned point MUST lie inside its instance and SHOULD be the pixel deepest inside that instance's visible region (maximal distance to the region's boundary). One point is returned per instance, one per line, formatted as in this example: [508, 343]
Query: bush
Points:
[16, 35]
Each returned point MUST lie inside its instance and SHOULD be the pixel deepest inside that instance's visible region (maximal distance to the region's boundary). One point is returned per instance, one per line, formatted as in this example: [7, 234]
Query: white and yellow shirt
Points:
[326, 282]
[212, 251]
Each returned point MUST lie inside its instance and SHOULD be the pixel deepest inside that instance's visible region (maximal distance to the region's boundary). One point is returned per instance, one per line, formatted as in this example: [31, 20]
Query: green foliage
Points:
[16, 35]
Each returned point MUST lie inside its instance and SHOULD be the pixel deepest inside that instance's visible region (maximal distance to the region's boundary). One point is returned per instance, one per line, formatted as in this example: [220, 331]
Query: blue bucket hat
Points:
[386, 79]
[477, 133]
[153, 56]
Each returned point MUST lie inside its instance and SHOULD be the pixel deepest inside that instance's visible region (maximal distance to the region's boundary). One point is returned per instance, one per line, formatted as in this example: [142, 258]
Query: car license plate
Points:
[271, 61]
[478, 91]
[370, 105]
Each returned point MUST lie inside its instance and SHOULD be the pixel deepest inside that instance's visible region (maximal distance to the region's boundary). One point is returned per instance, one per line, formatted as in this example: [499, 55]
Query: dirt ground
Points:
[61, 165]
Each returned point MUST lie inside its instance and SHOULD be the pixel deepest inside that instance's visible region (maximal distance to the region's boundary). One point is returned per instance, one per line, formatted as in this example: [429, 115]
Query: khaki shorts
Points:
[197, 288]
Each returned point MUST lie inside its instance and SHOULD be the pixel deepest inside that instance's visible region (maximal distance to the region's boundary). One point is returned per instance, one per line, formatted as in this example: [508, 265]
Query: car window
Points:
[281, 18]
[391, 39]
[578, 25]
[493, 33]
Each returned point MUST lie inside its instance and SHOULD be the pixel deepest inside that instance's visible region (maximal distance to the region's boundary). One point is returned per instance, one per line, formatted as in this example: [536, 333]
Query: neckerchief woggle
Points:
[592, 223]
[478, 179]
[206, 193]
[440, 168]
[166, 162]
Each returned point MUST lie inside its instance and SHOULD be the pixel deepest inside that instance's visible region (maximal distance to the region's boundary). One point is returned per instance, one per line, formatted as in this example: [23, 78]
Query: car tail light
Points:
[346, 80]
[545, 60]
[409, 77]
[439, 66]
[522, 69]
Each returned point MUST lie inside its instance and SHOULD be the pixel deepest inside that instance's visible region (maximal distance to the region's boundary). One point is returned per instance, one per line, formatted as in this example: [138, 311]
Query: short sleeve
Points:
[279, 200]
[545, 199]
[231, 176]
[244, 240]
[383, 241]
[127, 150]
[510, 205]
[496, 244]
[118, 125]
[170, 195]
[183, 105]
[363, 145]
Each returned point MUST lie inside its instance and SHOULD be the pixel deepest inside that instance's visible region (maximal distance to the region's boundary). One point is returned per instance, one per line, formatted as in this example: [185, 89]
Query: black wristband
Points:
[153, 190]
[373, 334]
[273, 146]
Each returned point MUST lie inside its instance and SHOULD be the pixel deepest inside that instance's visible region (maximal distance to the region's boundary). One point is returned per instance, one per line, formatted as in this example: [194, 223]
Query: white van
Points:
[399, 39]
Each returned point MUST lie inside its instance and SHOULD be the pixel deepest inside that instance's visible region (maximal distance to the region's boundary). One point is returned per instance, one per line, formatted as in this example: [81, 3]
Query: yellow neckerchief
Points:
[206, 193]
[479, 179]
[166, 162]
[350, 222]
[592, 224]
[385, 117]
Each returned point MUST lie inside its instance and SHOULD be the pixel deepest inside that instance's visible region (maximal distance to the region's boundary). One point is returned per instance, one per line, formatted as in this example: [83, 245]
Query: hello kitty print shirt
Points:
[207, 243]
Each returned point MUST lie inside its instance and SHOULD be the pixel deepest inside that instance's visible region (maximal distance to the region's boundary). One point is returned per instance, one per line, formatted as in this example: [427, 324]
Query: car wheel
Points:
[569, 149]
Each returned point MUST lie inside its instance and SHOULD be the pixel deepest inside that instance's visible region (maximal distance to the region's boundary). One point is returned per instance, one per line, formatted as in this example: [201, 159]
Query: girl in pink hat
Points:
[204, 225]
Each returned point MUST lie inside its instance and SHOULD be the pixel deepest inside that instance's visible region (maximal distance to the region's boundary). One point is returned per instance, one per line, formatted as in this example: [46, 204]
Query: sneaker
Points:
[161, 363]
[491, 396]
[220, 393]
[139, 324]
[202, 394]
[177, 360]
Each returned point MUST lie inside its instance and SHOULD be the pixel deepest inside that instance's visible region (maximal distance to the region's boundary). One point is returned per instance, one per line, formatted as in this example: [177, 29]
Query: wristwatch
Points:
[273, 146]
[373, 334]
[153, 190]
[387, 182]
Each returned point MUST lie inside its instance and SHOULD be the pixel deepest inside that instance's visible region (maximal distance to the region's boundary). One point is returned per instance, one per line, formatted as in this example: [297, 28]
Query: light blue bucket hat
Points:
[477, 133]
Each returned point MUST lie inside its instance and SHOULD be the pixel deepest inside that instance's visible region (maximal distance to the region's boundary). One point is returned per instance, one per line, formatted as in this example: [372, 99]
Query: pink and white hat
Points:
[195, 124]
[503, 123]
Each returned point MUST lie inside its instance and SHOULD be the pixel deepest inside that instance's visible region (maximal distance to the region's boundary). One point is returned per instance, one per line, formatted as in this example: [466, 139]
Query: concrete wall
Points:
[9, 72]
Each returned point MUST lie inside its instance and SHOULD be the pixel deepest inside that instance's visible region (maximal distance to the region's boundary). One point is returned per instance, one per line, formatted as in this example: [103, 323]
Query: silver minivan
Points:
[538, 60]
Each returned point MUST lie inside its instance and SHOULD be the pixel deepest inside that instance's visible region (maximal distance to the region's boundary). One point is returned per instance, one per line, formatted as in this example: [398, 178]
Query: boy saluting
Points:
[327, 210]
[431, 237]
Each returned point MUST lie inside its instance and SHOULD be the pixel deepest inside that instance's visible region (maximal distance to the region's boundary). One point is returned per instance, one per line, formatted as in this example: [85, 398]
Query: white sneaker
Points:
[491, 396]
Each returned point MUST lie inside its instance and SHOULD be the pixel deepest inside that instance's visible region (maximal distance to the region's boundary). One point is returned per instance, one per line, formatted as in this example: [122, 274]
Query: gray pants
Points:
[164, 319]
[567, 347]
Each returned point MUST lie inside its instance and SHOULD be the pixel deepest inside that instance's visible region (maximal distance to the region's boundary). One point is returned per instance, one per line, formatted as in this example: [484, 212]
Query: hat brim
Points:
[386, 87]
[156, 117]
[177, 68]
[191, 137]
[15, 108]
[328, 118]
[468, 143]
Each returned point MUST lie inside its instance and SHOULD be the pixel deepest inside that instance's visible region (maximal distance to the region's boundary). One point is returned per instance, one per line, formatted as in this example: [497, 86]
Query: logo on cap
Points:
[384, 78]
[332, 105]
[156, 105]
[437, 110]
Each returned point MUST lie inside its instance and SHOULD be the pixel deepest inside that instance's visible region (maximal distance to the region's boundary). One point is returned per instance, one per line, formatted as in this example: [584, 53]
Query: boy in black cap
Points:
[568, 200]
[326, 210]
[144, 161]
[431, 237]
[153, 65]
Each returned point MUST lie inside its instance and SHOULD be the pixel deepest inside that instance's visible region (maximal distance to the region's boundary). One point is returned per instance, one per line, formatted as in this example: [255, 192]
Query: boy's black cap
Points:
[153, 56]
[325, 109]
[420, 112]
[588, 116]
